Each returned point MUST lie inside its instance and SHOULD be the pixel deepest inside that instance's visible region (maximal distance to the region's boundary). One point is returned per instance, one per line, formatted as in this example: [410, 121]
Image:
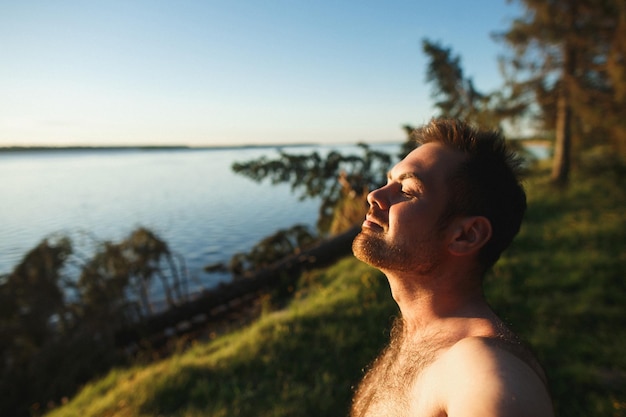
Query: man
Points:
[447, 212]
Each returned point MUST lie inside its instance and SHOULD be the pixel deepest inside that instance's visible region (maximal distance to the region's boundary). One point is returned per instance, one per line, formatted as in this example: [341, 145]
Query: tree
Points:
[456, 96]
[32, 313]
[271, 249]
[57, 330]
[570, 55]
[30, 296]
[119, 269]
[331, 178]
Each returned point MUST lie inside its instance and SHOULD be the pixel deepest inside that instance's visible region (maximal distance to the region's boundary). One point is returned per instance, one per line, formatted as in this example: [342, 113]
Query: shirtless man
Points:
[447, 212]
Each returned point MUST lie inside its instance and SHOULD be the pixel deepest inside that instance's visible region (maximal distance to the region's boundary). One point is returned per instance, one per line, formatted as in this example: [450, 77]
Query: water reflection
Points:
[190, 198]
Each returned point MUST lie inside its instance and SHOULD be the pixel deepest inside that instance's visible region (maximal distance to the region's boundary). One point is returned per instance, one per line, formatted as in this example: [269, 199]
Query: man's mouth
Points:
[372, 224]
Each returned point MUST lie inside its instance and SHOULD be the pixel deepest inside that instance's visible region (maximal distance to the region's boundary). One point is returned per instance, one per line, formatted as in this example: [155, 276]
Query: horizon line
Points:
[17, 148]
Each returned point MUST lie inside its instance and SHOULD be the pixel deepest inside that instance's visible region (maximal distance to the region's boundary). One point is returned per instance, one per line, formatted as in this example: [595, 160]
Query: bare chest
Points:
[395, 385]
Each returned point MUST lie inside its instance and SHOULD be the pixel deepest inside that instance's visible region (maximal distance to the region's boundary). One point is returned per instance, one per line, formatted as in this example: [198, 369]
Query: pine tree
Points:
[570, 54]
[456, 96]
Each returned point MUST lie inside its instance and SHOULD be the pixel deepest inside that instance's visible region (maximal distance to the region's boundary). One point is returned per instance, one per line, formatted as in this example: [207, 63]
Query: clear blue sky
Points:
[231, 72]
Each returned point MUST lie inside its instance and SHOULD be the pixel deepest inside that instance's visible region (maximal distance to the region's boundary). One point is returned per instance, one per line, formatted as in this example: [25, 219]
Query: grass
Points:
[301, 360]
[561, 286]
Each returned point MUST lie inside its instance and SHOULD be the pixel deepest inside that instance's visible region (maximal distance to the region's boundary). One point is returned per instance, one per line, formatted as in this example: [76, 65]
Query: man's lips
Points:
[370, 223]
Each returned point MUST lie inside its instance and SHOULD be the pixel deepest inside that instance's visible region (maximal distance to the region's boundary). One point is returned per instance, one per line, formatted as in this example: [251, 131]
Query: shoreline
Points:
[8, 149]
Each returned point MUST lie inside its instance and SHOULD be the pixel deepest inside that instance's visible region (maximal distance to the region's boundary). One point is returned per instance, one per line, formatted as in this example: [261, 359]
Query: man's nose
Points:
[379, 198]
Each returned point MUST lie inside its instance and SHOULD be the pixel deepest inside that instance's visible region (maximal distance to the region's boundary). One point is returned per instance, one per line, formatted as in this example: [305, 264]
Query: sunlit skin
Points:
[436, 280]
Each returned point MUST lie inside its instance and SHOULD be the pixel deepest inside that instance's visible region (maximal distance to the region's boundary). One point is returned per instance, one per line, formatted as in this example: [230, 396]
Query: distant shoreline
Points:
[97, 148]
[4, 149]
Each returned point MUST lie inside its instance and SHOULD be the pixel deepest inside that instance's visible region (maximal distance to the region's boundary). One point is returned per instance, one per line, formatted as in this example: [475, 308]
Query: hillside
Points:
[561, 286]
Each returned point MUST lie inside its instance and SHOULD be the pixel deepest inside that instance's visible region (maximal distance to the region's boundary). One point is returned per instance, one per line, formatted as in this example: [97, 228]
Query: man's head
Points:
[457, 193]
[486, 183]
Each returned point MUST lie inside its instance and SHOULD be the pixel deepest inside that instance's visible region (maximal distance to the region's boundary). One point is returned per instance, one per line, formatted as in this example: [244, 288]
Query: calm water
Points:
[190, 198]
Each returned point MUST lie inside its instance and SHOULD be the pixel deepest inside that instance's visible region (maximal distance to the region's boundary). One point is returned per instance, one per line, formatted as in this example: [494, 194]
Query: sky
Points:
[231, 72]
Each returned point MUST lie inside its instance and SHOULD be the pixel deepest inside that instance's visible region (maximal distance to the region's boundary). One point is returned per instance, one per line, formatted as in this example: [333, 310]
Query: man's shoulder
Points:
[495, 351]
[488, 374]
[478, 345]
[482, 350]
[494, 357]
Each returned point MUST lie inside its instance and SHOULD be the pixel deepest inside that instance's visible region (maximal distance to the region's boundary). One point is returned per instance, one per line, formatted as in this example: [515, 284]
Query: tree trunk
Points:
[562, 147]
[213, 304]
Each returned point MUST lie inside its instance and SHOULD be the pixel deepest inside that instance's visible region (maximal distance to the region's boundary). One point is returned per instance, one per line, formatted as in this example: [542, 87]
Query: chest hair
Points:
[384, 391]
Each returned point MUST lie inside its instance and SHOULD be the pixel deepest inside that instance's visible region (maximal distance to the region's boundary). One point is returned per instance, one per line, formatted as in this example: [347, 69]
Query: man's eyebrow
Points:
[404, 176]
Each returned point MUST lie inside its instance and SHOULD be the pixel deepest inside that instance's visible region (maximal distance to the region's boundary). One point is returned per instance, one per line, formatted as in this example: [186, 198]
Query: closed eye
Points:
[408, 193]
[411, 184]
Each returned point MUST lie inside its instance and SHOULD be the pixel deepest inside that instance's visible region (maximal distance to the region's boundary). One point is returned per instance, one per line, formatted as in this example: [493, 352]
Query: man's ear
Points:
[469, 235]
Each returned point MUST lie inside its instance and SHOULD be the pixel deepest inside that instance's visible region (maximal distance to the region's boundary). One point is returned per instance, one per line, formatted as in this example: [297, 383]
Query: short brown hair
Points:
[487, 183]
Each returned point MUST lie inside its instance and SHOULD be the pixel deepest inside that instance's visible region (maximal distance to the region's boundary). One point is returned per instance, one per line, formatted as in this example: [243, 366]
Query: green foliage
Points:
[30, 298]
[569, 57]
[57, 330]
[315, 176]
[299, 361]
[455, 95]
[271, 249]
[560, 286]
[130, 265]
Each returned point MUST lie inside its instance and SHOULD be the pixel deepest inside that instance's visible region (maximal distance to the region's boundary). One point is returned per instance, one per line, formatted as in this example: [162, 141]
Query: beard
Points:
[420, 257]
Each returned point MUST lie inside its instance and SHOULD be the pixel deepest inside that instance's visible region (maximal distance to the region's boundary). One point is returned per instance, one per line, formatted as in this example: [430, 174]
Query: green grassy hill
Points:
[298, 361]
[561, 286]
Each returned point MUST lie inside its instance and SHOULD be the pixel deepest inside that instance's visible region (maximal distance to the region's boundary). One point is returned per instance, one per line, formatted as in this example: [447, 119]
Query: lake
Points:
[190, 197]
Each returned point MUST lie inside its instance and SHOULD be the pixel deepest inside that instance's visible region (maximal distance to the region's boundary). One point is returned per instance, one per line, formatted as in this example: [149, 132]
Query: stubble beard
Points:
[420, 258]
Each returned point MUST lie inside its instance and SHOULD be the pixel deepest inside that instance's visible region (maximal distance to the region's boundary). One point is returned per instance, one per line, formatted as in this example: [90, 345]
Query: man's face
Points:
[401, 231]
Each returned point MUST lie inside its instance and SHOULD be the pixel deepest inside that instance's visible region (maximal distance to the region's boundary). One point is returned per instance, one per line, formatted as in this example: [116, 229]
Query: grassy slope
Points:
[561, 286]
[298, 361]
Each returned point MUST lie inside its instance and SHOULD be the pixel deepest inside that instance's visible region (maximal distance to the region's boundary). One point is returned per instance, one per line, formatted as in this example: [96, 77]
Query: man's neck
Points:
[443, 303]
